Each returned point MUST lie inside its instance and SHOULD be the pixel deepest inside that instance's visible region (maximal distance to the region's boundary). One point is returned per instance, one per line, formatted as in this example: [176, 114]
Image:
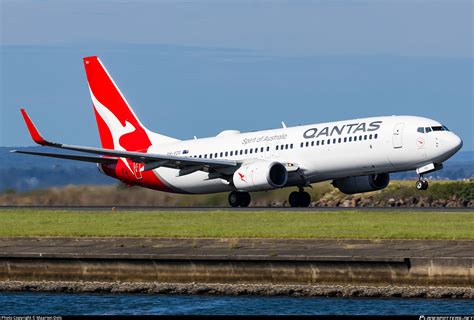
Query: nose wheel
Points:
[239, 199]
[421, 184]
[299, 199]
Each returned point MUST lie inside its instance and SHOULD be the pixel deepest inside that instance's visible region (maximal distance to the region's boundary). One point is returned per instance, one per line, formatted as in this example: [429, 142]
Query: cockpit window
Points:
[445, 128]
[428, 129]
[437, 128]
[421, 130]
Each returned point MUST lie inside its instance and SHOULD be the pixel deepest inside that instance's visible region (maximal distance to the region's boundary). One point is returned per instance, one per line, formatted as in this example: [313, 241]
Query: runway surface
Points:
[234, 249]
[248, 209]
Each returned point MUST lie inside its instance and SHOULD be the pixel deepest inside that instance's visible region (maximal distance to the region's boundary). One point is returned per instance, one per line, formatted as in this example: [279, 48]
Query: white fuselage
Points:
[319, 151]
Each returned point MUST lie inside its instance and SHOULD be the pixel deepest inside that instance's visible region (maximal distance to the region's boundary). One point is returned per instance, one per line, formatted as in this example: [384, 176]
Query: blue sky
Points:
[199, 67]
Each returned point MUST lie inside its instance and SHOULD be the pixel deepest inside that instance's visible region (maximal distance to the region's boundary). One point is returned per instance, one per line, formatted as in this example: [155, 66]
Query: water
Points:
[130, 304]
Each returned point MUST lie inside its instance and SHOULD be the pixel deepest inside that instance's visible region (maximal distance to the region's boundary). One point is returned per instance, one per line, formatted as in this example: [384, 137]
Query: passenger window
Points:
[322, 142]
[345, 139]
[246, 151]
[226, 153]
[276, 147]
[210, 156]
[302, 144]
[370, 136]
[365, 137]
[251, 150]
[216, 154]
[376, 135]
[291, 146]
[286, 147]
[340, 140]
[317, 143]
[360, 138]
[222, 154]
[350, 139]
[231, 153]
[268, 148]
[241, 152]
[421, 130]
[261, 149]
[307, 143]
[334, 140]
[329, 141]
[312, 143]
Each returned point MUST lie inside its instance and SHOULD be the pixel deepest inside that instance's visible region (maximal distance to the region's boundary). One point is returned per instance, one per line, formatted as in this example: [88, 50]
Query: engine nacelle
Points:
[359, 184]
[260, 175]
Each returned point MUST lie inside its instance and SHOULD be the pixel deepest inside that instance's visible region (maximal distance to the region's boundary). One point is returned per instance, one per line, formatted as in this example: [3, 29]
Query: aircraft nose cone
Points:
[456, 142]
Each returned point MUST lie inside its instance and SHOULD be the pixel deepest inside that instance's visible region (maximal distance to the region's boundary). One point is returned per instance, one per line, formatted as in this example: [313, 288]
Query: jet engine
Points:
[359, 184]
[260, 175]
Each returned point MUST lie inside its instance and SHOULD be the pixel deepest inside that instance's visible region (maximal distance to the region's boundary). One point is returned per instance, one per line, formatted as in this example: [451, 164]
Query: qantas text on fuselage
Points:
[356, 155]
[343, 129]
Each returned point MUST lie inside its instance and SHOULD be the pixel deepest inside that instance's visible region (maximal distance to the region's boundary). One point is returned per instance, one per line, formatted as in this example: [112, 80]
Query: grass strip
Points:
[231, 224]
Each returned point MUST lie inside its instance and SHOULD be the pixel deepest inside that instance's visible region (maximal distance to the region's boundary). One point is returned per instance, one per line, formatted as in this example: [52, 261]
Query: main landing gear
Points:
[421, 184]
[299, 199]
[239, 199]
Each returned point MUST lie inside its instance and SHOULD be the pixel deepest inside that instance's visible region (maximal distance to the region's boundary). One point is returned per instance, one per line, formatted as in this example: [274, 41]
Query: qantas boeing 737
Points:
[357, 155]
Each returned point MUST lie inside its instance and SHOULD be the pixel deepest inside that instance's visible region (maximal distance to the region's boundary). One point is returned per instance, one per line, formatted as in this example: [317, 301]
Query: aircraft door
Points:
[397, 135]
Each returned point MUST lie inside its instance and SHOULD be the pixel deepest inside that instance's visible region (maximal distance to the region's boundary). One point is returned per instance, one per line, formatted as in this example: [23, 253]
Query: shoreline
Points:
[343, 291]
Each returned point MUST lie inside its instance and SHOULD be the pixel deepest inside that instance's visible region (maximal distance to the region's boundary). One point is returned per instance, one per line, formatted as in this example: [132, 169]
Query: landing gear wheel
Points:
[234, 199]
[422, 185]
[425, 184]
[239, 199]
[299, 199]
[244, 199]
[294, 199]
[305, 199]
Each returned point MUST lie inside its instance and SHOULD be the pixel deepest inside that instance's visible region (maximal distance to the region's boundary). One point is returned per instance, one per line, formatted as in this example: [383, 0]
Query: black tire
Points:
[244, 199]
[234, 199]
[425, 184]
[305, 199]
[419, 185]
[294, 199]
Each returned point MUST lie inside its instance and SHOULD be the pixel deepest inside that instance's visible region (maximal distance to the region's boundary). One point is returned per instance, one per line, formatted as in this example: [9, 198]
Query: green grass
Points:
[231, 224]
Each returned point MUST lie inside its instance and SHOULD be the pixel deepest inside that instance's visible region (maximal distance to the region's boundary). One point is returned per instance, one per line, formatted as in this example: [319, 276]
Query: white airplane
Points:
[357, 155]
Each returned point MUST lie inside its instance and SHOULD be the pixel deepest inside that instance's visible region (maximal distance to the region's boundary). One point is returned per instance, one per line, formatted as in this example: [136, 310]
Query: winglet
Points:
[35, 135]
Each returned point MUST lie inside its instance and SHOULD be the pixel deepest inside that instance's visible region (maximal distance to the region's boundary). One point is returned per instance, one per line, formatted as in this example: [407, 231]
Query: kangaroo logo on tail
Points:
[119, 127]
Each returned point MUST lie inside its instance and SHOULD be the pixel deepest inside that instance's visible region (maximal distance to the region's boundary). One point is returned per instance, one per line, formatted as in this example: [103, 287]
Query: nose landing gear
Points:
[421, 184]
[299, 199]
[239, 199]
